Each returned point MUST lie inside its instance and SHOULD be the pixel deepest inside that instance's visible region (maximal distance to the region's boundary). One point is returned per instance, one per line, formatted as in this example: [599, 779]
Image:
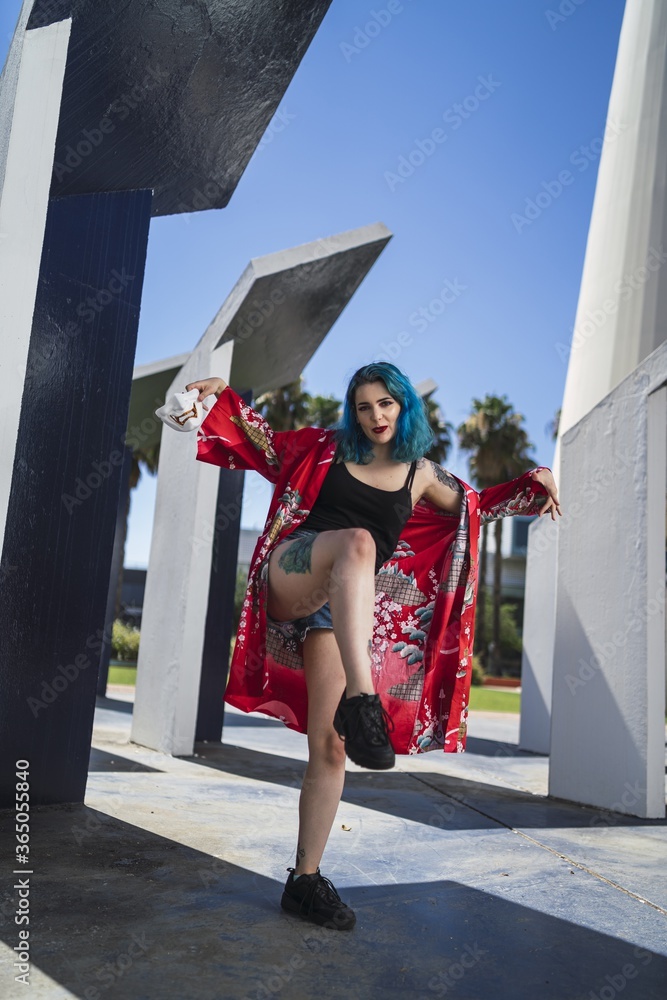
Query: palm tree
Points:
[442, 431]
[285, 409]
[498, 446]
[324, 411]
[553, 425]
[147, 457]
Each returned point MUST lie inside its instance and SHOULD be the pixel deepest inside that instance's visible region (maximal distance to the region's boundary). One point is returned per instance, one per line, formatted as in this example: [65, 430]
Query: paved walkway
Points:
[467, 882]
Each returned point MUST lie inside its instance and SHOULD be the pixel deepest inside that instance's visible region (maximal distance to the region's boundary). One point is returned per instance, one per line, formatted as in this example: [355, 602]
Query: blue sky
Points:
[482, 105]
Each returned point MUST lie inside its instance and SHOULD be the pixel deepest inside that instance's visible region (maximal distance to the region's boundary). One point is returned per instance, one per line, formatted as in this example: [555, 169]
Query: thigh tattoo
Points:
[296, 559]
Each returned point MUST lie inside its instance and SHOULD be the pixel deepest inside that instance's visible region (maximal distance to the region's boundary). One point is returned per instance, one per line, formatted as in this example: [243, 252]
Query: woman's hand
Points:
[545, 477]
[207, 387]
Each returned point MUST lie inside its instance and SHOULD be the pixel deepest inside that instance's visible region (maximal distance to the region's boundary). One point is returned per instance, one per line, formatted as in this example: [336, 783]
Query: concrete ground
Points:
[467, 882]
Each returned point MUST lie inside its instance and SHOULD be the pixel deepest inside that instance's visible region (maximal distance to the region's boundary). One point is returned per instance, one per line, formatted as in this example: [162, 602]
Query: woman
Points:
[357, 626]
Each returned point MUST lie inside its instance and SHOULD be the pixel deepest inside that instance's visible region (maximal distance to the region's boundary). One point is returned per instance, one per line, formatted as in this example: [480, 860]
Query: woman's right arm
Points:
[207, 387]
[234, 435]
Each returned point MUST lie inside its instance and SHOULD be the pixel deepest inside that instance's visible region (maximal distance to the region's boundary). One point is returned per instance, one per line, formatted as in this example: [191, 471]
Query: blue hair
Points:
[413, 437]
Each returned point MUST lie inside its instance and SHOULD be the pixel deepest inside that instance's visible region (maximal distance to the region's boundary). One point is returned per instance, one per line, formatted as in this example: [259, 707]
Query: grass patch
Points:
[123, 675]
[494, 701]
[481, 698]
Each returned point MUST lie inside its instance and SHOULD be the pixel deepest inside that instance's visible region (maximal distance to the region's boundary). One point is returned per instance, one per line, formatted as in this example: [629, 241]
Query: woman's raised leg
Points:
[338, 566]
[334, 566]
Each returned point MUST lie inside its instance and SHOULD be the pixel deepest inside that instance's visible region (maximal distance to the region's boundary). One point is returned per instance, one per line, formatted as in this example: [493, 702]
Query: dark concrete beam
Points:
[172, 96]
[65, 487]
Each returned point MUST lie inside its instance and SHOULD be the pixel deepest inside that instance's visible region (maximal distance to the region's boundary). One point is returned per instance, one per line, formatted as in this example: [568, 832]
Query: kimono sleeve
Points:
[235, 436]
[523, 495]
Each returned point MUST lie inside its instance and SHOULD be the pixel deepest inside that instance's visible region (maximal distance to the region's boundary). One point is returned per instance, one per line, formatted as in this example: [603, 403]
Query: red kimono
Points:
[425, 593]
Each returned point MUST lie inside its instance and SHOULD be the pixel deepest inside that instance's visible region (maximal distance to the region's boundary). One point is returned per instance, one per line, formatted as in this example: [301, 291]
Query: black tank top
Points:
[346, 502]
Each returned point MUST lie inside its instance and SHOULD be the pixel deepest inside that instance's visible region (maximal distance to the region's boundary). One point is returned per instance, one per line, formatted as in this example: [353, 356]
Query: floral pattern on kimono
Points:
[424, 593]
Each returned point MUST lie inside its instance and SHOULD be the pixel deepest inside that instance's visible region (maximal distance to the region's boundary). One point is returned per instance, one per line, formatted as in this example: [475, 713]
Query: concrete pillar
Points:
[218, 633]
[29, 109]
[177, 583]
[538, 636]
[623, 296]
[608, 711]
[65, 483]
[116, 568]
[656, 638]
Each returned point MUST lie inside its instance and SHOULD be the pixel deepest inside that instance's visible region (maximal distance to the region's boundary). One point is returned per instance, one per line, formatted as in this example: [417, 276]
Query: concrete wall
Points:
[538, 636]
[29, 109]
[623, 294]
[177, 584]
[608, 710]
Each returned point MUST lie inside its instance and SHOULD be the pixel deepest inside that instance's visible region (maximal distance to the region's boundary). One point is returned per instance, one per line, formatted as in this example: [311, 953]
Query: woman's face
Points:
[377, 412]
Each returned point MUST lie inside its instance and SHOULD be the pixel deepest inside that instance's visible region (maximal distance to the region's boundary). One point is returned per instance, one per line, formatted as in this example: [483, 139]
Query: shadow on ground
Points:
[119, 912]
[475, 804]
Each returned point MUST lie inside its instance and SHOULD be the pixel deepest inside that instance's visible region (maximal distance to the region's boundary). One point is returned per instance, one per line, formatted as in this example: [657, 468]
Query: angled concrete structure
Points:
[171, 96]
[619, 320]
[608, 713]
[623, 297]
[109, 113]
[273, 320]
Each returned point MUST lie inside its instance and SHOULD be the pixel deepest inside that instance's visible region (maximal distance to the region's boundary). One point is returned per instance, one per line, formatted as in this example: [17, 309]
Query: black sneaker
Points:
[362, 722]
[314, 898]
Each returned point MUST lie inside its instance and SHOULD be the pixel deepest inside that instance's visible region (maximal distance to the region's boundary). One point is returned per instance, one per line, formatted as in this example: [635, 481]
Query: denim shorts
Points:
[319, 619]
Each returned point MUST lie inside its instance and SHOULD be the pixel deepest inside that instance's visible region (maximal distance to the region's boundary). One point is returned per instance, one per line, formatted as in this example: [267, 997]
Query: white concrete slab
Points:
[31, 90]
[607, 727]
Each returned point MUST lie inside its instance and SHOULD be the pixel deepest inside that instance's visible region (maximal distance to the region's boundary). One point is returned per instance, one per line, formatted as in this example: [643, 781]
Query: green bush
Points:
[478, 673]
[239, 595]
[125, 642]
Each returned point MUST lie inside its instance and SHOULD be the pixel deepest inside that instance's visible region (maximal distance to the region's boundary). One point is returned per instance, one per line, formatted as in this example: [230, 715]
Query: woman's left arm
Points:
[439, 486]
[532, 493]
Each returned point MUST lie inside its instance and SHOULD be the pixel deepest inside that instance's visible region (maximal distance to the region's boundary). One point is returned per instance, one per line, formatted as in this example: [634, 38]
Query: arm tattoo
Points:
[446, 478]
[296, 558]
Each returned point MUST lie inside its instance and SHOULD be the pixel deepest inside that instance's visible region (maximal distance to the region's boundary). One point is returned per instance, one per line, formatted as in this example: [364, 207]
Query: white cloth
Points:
[183, 411]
